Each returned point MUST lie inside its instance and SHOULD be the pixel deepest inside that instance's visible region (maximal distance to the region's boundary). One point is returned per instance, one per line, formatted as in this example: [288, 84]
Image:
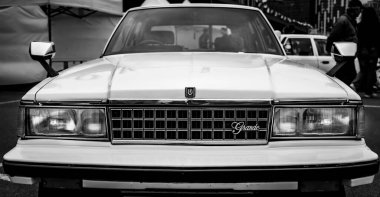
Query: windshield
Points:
[195, 30]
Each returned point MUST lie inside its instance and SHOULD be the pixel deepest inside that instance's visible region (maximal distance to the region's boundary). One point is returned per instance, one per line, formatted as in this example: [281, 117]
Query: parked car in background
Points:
[311, 50]
[160, 112]
[308, 50]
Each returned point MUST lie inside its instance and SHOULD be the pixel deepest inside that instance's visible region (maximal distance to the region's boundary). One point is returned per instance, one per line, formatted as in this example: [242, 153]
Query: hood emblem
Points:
[190, 92]
[240, 126]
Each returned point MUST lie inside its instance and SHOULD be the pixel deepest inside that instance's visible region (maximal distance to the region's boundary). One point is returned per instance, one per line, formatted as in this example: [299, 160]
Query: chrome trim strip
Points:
[356, 102]
[209, 186]
[190, 142]
[65, 107]
[311, 102]
[316, 106]
[5, 177]
[201, 5]
[73, 103]
[103, 139]
[27, 102]
[326, 137]
[23, 180]
[240, 102]
[359, 181]
[198, 102]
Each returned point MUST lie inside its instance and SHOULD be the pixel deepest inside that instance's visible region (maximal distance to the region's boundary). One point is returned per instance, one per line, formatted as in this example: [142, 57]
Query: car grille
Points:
[188, 124]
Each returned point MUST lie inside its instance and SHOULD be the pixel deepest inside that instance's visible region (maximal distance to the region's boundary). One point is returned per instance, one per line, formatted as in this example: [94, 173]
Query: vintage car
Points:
[192, 98]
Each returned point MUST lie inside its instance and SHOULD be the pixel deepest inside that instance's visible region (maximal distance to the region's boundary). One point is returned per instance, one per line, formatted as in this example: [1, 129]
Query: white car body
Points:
[190, 82]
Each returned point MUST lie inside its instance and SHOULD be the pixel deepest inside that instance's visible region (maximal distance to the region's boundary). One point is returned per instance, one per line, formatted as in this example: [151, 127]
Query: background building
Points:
[375, 4]
[327, 12]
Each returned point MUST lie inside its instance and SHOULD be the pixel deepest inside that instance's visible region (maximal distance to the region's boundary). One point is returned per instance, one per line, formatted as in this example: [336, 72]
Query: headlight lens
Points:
[66, 122]
[286, 121]
[304, 122]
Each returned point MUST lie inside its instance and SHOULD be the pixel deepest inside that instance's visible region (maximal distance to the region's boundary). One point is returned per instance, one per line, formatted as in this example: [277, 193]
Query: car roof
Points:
[189, 5]
[303, 36]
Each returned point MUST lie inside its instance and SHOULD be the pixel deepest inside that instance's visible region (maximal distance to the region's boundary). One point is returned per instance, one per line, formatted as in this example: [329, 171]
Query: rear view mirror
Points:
[42, 51]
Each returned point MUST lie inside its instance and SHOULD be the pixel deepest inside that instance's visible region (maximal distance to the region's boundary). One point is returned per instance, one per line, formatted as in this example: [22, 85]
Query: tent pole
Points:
[49, 29]
[49, 20]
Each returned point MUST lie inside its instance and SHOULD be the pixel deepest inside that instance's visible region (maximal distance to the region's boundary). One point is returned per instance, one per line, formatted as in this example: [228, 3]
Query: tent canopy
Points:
[77, 38]
[107, 6]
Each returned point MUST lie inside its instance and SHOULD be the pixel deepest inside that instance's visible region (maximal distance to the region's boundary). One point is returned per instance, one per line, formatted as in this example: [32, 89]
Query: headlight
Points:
[66, 122]
[315, 122]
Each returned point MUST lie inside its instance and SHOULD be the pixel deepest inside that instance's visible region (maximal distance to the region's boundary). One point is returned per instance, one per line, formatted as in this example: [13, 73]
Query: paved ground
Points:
[8, 137]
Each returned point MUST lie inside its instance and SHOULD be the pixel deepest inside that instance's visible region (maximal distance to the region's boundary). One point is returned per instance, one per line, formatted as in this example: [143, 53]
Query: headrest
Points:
[166, 37]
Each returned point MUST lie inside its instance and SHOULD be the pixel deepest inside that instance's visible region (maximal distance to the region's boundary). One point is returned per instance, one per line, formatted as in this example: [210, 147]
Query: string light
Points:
[262, 4]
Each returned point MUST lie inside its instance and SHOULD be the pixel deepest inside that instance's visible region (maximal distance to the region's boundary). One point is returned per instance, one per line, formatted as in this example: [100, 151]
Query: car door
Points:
[325, 61]
[301, 50]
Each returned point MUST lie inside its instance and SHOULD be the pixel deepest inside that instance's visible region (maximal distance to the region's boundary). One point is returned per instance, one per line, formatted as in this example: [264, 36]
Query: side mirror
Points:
[42, 51]
[342, 52]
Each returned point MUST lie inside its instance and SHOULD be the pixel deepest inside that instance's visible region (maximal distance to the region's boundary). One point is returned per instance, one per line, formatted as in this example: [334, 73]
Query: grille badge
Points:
[240, 126]
[190, 92]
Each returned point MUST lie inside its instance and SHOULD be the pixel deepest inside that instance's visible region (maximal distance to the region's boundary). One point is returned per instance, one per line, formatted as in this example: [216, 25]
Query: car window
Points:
[194, 29]
[321, 47]
[300, 46]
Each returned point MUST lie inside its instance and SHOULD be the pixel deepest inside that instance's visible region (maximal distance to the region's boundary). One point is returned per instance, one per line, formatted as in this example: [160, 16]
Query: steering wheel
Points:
[150, 42]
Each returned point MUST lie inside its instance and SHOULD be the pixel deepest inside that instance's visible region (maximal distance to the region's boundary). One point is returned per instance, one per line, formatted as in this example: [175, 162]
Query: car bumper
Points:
[278, 165]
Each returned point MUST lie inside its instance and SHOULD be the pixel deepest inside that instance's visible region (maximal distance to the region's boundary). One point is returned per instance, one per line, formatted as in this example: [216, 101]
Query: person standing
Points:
[223, 43]
[368, 50]
[345, 29]
[204, 39]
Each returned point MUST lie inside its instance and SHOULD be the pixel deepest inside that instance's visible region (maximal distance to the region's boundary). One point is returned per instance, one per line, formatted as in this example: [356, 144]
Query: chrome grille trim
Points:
[187, 124]
[197, 102]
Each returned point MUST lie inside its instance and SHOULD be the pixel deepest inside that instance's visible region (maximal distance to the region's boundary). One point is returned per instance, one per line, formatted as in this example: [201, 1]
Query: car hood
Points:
[216, 76]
